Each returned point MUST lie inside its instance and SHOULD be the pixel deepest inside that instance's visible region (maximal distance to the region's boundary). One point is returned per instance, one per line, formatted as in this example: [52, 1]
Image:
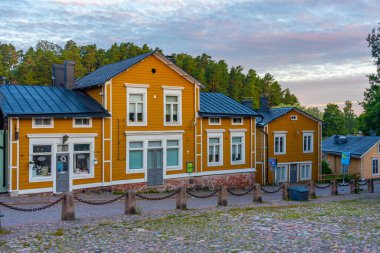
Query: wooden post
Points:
[257, 193]
[312, 190]
[130, 203]
[285, 192]
[222, 197]
[68, 210]
[181, 199]
[353, 186]
[334, 187]
[370, 186]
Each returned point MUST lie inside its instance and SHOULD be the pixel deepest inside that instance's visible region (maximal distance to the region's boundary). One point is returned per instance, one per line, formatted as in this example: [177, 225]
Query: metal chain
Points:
[322, 187]
[157, 198]
[204, 196]
[267, 191]
[35, 209]
[363, 183]
[240, 194]
[99, 203]
[344, 184]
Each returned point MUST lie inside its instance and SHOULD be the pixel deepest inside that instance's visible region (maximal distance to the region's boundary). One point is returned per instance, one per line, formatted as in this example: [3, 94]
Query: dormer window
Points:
[42, 123]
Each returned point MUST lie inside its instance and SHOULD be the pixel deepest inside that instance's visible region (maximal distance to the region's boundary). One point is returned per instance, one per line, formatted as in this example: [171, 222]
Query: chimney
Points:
[247, 102]
[63, 74]
[264, 106]
[336, 139]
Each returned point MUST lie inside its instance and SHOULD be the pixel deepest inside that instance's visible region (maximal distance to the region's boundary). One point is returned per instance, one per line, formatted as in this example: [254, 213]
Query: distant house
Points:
[293, 137]
[364, 150]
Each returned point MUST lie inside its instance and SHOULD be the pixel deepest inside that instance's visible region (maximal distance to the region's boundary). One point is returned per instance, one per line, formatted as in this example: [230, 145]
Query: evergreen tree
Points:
[334, 121]
[350, 118]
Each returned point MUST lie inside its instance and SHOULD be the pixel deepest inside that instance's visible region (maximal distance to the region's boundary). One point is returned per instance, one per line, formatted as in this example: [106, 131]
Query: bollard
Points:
[222, 197]
[353, 186]
[334, 187]
[130, 203]
[257, 193]
[312, 190]
[285, 192]
[370, 186]
[68, 209]
[181, 199]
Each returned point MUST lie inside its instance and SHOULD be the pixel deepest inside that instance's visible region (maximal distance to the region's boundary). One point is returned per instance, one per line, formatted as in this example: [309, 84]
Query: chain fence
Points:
[157, 198]
[202, 196]
[362, 183]
[34, 209]
[322, 187]
[343, 185]
[100, 203]
[240, 194]
[273, 191]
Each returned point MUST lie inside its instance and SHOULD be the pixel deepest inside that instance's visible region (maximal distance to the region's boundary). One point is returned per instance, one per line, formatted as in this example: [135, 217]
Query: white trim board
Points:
[129, 133]
[84, 135]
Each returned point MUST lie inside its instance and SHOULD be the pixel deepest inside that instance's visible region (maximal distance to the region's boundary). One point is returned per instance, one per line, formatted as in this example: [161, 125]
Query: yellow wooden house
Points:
[291, 136]
[136, 123]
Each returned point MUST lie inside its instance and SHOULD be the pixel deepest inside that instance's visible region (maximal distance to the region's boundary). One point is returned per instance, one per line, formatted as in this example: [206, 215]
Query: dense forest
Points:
[34, 66]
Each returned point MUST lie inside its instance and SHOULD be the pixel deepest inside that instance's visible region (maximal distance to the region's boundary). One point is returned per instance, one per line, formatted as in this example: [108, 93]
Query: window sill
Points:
[82, 176]
[136, 124]
[308, 152]
[172, 124]
[214, 164]
[40, 179]
[82, 126]
[238, 163]
[305, 179]
[174, 168]
[135, 171]
[279, 153]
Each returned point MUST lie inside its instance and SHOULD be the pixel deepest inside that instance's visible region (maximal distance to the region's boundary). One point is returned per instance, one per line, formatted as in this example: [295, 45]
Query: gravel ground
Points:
[345, 223]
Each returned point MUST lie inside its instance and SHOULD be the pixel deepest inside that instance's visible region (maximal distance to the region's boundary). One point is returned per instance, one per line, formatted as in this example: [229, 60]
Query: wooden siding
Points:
[95, 93]
[336, 167]
[367, 162]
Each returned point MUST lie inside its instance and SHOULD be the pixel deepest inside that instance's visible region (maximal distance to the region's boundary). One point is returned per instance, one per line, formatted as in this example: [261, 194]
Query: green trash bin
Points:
[299, 193]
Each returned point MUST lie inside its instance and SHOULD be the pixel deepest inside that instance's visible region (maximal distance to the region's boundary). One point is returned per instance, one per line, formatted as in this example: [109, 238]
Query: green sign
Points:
[189, 167]
[345, 158]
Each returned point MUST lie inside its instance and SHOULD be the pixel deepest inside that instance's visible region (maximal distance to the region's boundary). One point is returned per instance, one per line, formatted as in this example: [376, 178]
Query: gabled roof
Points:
[273, 114]
[107, 72]
[356, 145]
[47, 101]
[219, 105]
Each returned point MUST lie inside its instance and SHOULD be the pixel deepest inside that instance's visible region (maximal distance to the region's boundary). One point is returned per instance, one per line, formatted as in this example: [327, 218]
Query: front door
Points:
[155, 168]
[293, 173]
[62, 173]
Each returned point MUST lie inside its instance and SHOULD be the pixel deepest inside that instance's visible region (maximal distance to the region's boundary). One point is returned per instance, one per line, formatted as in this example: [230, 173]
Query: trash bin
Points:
[299, 193]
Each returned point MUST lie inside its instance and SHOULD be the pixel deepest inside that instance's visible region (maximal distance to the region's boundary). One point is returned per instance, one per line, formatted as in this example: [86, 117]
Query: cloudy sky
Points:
[316, 48]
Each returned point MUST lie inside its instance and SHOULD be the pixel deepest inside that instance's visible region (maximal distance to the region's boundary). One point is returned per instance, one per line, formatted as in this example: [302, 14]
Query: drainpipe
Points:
[265, 168]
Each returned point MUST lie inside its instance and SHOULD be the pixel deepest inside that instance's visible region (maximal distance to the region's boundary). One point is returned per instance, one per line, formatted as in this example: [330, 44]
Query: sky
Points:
[315, 48]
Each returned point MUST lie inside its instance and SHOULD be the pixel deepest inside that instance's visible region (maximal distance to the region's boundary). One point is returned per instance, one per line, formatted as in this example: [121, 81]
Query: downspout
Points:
[5, 154]
[265, 168]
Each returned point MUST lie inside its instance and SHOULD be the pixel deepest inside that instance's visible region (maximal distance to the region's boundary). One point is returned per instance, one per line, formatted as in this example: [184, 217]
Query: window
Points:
[237, 148]
[305, 172]
[82, 122]
[293, 117]
[172, 153]
[375, 166]
[136, 155]
[82, 154]
[281, 173]
[215, 149]
[41, 161]
[42, 123]
[307, 142]
[378, 149]
[214, 121]
[237, 121]
[279, 144]
[137, 105]
[171, 109]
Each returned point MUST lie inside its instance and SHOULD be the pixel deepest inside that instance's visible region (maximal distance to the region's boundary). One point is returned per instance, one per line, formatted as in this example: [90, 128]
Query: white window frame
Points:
[242, 135]
[91, 152]
[82, 126]
[311, 135]
[279, 135]
[140, 90]
[166, 147]
[178, 93]
[163, 137]
[305, 166]
[43, 126]
[286, 173]
[52, 161]
[372, 167]
[378, 148]
[241, 122]
[220, 136]
[215, 124]
[293, 117]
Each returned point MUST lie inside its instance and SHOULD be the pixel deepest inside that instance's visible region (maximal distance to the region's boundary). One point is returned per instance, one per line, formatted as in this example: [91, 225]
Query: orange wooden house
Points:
[135, 123]
[291, 136]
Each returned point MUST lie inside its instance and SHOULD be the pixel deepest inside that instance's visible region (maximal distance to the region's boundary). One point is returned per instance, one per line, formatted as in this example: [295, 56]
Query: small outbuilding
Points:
[364, 151]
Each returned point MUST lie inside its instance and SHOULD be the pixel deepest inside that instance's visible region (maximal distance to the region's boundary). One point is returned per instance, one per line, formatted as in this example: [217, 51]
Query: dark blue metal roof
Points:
[356, 145]
[37, 100]
[107, 72]
[219, 105]
[273, 114]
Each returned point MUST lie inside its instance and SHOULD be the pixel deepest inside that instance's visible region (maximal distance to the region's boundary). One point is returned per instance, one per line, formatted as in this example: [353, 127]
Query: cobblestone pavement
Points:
[344, 223]
[83, 211]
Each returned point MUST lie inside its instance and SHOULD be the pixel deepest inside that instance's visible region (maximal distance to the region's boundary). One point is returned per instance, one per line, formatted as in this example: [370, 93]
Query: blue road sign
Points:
[345, 159]
[272, 162]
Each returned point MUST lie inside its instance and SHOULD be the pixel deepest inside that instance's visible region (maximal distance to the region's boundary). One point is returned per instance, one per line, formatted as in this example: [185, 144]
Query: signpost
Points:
[272, 165]
[345, 161]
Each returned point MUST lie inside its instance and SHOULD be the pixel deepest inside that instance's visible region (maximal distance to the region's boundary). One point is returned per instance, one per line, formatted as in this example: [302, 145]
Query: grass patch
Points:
[117, 192]
[58, 232]
[105, 222]
[3, 231]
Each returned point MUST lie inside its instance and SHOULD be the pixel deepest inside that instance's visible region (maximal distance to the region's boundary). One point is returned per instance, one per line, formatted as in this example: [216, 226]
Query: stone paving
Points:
[344, 223]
